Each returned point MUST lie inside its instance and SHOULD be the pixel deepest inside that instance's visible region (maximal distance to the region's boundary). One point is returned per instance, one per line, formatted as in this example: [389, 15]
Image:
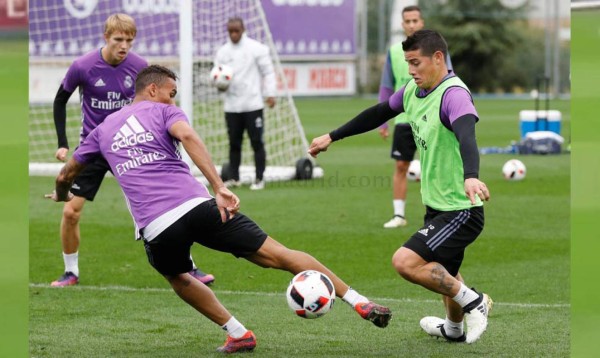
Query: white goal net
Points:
[61, 30]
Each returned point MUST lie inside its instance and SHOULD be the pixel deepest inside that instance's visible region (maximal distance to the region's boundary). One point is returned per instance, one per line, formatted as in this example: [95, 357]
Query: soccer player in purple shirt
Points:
[172, 210]
[441, 113]
[106, 80]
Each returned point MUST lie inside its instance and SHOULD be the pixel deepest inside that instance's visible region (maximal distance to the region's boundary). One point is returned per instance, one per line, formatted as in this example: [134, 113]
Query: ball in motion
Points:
[414, 170]
[514, 169]
[310, 294]
[221, 76]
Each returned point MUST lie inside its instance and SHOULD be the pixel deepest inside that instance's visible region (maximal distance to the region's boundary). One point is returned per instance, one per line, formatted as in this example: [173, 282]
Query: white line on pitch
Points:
[275, 294]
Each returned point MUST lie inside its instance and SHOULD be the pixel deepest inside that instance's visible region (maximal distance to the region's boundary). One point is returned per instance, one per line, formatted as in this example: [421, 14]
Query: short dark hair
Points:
[411, 8]
[428, 41]
[236, 19]
[156, 74]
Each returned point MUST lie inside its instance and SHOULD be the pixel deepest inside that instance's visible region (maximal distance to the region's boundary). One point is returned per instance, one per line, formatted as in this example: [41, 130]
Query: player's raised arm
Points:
[365, 121]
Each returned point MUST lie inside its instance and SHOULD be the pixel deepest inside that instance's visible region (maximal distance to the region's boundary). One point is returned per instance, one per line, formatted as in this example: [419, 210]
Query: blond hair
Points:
[120, 23]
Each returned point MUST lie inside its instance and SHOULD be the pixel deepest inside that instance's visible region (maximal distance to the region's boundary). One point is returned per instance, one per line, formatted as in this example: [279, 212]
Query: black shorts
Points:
[87, 183]
[445, 236]
[169, 252]
[403, 146]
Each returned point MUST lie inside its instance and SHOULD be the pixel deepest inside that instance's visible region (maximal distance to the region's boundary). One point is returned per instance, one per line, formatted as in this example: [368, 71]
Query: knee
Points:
[235, 146]
[402, 167]
[71, 215]
[257, 145]
[400, 264]
[178, 282]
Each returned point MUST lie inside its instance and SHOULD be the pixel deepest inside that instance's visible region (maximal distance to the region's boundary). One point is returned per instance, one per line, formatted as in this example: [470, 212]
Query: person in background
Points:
[243, 104]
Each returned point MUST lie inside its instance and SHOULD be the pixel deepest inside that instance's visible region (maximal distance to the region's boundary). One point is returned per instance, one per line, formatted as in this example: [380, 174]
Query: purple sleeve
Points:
[174, 114]
[396, 100]
[72, 78]
[385, 93]
[89, 149]
[386, 85]
[456, 103]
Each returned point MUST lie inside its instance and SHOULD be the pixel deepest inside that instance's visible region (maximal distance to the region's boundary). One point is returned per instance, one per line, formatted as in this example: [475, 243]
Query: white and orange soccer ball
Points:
[221, 76]
[310, 294]
[514, 169]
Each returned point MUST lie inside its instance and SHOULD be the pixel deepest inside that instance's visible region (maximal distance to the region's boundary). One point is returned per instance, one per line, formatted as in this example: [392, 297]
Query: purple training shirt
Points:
[103, 88]
[144, 158]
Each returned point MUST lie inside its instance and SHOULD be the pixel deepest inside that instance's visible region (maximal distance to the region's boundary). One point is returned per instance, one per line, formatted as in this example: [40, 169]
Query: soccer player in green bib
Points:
[442, 116]
[393, 77]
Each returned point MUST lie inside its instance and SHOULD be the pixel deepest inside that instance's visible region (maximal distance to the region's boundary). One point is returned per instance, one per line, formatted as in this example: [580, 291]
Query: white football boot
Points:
[434, 326]
[396, 221]
[476, 316]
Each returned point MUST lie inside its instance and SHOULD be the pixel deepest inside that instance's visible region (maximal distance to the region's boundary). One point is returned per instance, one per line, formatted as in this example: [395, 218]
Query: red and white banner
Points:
[318, 78]
[13, 14]
[303, 79]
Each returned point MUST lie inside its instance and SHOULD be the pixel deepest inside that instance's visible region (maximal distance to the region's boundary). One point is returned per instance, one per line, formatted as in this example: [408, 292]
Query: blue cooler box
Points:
[541, 120]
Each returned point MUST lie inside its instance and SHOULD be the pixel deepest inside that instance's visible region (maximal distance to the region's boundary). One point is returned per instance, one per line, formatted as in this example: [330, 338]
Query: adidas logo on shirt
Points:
[99, 83]
[130, 134]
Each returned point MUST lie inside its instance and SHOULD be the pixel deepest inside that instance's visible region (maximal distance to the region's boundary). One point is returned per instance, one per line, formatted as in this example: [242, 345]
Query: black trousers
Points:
[236, 124]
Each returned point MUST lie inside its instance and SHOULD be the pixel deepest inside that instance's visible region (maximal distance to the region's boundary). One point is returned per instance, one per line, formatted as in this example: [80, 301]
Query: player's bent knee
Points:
[400, 261]
[402, 167]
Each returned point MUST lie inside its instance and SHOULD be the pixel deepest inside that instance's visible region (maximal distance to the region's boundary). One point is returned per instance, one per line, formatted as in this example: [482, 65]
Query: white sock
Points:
[399, 207]
[465, 296]
[72, 263]
[352, 297]
[453, 329]
[234, 328]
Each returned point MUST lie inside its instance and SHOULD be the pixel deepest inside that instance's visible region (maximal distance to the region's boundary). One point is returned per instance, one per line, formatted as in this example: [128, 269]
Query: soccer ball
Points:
[414, 170]
[221, 76]
[310, 294]
[514, 169]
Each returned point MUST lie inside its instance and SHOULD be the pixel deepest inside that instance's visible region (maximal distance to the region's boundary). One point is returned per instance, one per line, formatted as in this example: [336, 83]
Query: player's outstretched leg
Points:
[272, 254]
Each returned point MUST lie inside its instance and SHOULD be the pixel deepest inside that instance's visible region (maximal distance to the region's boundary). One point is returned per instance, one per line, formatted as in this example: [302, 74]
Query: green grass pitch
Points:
[585, 299]
[13, 194]
[122, 307]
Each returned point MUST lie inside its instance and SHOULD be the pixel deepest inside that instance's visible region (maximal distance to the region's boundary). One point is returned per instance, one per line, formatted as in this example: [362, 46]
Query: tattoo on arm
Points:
[440, 275]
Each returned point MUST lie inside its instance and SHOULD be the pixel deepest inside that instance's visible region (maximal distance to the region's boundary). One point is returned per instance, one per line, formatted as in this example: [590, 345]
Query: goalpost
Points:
[181, 34]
